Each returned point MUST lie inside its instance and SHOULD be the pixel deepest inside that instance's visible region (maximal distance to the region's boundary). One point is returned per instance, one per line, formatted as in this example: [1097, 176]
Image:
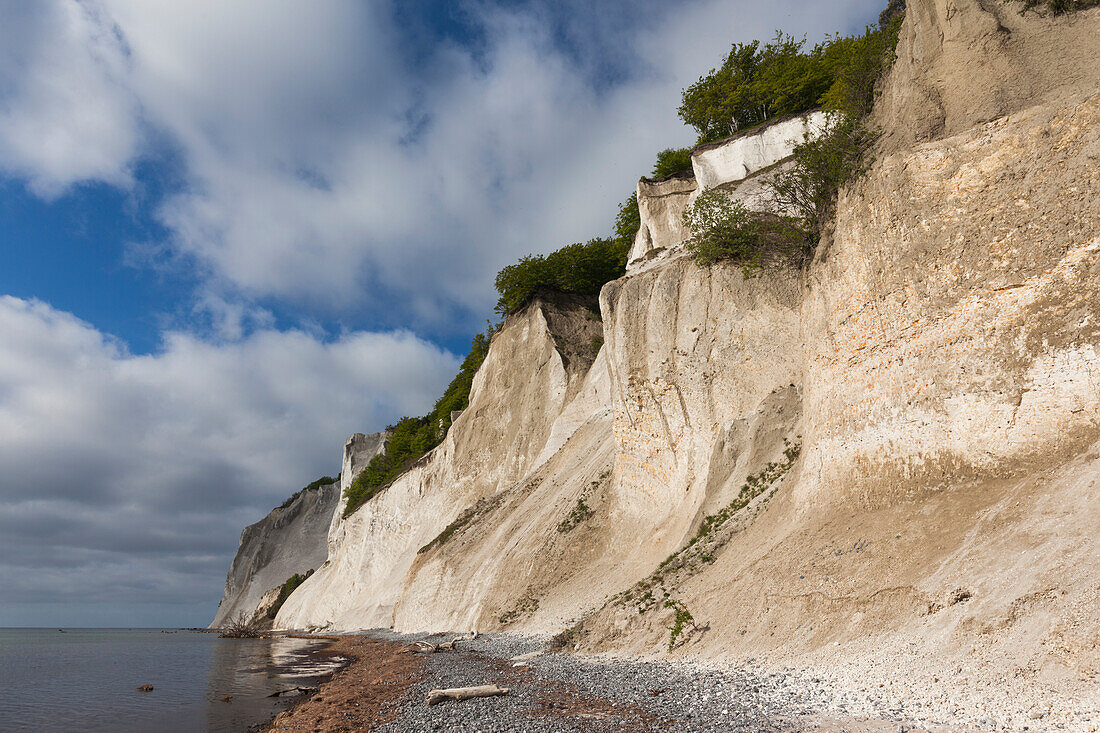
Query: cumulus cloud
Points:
[327, 163]
[67, 113]
[130, 477]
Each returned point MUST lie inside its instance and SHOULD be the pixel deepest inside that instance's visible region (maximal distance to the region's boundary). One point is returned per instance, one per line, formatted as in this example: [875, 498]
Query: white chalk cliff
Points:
[938, 364]
[291, 539]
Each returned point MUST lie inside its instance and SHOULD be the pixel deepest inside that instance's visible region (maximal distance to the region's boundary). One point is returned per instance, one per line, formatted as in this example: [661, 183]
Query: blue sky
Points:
[232, 233]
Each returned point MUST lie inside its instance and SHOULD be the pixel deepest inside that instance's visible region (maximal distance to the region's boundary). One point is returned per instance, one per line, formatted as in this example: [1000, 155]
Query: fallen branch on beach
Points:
[303, 690]
[447, 646]
[465, 693]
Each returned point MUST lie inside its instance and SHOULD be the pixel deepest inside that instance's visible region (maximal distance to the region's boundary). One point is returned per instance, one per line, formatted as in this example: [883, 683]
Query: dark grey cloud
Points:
[130, 477]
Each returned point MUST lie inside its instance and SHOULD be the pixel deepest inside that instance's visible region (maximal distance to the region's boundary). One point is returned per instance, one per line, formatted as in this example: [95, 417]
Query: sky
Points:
[234, 232]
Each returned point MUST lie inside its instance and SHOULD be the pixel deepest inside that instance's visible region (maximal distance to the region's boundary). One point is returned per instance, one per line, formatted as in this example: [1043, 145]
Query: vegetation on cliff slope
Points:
[312, 486]
[840, 76]
[412, 437]
[580, 268]
[756, 83]
[1057, 7]
[289, 587]
[672, 161]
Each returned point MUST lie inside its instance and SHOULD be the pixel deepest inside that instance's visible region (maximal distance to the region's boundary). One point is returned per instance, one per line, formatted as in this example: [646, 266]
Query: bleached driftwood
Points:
[447, 646]
[465, 693]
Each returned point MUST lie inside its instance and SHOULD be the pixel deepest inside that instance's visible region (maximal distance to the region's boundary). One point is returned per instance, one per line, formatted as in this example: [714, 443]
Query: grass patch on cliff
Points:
[1056, 7]
[412, 437]
[312, 486]
[701, 550]
[467, 517]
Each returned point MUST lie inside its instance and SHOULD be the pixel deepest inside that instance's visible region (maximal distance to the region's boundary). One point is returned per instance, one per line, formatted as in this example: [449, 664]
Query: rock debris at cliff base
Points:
[385, 689]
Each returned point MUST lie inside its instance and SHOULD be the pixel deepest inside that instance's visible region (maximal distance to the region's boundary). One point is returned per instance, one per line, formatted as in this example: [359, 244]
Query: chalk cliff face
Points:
[291, 539]
[924, 399]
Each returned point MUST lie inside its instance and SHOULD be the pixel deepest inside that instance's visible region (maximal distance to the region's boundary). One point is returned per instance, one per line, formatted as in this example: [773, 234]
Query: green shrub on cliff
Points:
[672, 161]
[289, 587]
[727, 230]
[627, 222]
[846, 70]
[576, 268]
[412, 437]
[757, 82]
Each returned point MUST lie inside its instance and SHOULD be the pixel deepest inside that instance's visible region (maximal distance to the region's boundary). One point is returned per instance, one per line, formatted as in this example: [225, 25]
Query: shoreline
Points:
[358, 695]
[385, 682]
[384, 687]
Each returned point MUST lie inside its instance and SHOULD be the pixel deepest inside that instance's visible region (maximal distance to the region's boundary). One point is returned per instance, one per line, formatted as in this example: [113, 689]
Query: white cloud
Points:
[105, 456]
[66, 113]
[322, 165]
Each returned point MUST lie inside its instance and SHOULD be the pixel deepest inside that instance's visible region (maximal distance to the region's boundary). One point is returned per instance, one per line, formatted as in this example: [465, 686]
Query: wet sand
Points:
[361, 696]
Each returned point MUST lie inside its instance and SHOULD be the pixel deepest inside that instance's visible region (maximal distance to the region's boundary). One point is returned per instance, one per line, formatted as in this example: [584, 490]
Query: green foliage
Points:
[312, 486]
[707, 540]
[627, 221]
[758, 82]
[579, 514]
[412, 437]
[483, 506]
[755, 83]
[576, 268]
[893, 13]
[725, 229]
[289, 587]
[681, 620]
[1057, 7]
[843, 73]
[821, 167]
[671, 161]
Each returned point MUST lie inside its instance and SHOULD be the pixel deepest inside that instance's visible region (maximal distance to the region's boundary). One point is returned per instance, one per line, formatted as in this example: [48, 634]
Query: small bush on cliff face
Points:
[627, 222]
[289, 587]
[724, 229]
[808, 190]
[312, 486]
[682, 621]
[847, 71]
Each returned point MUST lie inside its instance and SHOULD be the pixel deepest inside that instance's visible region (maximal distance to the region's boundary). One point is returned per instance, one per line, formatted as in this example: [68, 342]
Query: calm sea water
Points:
[85, 679]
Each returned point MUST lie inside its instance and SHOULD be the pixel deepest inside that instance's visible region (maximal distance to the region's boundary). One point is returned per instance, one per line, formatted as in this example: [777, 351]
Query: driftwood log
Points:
[465, 693]
[447, 646]
[301, 690]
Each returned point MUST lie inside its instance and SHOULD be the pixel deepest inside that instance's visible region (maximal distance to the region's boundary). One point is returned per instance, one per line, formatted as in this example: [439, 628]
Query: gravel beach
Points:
[386, 685]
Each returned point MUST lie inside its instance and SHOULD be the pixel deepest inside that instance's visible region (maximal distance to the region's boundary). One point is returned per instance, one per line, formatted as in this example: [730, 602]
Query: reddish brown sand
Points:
[363, 694]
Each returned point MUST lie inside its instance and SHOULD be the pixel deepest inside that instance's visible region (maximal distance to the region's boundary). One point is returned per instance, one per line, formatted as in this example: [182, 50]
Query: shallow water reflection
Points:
[85, 679]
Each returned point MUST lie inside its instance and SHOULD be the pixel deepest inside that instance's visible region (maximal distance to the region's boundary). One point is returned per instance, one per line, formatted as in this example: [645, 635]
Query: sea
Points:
[87, 679]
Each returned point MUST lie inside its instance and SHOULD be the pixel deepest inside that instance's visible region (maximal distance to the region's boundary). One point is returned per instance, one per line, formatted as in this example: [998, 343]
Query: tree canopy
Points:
[757, 82]
[581, 268]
